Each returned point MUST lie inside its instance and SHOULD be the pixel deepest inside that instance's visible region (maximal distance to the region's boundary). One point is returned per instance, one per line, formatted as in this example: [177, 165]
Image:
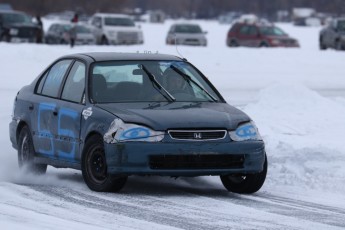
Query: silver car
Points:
[60, 33]
[186, 34]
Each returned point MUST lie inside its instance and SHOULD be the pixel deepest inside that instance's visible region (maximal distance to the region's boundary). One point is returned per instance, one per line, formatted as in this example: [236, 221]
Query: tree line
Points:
[177, 8]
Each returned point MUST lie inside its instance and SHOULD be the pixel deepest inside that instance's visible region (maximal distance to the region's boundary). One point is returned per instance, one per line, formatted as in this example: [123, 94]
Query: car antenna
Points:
[178, 50]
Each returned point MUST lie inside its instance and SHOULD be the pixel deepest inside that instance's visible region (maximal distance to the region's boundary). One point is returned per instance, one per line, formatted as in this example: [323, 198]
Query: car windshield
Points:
[148, 81]
[188, 29]
[341, 25]
[110, 21]
[65, 28]
[12, 18]
[271, 30]
[82, 30]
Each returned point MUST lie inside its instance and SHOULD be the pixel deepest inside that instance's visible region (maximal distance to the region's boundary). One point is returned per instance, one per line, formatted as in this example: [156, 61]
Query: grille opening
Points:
[197, 134]
[196, 161]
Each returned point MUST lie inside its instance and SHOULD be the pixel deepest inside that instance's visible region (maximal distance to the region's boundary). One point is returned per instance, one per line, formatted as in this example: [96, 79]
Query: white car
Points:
[186, 34]
[115, 29]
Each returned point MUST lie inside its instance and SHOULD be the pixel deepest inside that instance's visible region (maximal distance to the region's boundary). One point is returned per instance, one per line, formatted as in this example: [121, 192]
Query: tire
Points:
[26, 153]
[94, 168]
[245, 184]
[322, 45]
[338, 45]
[263, 44]
[233, 43]
[5, 38]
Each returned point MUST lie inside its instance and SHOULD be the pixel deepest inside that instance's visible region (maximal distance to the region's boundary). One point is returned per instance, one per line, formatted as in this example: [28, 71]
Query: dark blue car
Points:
[113, 115]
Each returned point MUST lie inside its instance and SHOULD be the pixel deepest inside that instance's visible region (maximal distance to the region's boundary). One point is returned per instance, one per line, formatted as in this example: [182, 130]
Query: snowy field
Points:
[296, 97]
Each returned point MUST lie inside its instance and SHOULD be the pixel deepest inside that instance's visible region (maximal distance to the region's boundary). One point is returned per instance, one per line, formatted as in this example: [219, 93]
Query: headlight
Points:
[244, 132]
[120, 131]
[13, 32]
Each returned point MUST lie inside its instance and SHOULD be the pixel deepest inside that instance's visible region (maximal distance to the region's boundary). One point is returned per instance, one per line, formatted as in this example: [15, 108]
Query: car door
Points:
[70, 108]
[44, 108]
[97, 28]
[244, 36]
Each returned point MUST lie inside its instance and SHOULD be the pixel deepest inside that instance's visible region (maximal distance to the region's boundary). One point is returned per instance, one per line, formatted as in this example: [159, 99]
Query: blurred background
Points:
[272, 10]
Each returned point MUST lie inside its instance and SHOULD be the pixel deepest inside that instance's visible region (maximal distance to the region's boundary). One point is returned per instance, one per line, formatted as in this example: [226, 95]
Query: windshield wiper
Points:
[158, 85]
[189, 79]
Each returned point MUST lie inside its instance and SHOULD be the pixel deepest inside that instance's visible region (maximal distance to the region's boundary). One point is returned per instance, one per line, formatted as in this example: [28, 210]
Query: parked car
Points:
[333, 36]
[186, 34]
[258, 35]
[59, 33]
[113, 115]
[17, 26]
[115, 29]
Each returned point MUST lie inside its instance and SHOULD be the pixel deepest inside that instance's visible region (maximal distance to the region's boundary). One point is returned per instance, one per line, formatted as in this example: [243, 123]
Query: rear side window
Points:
[54, 77]
[75, 84]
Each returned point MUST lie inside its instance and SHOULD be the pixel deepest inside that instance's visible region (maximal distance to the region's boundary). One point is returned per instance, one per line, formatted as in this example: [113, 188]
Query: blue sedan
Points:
[113, 115]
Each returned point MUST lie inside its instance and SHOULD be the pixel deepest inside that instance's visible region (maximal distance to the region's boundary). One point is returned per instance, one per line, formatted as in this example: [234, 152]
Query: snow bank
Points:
[304, 135]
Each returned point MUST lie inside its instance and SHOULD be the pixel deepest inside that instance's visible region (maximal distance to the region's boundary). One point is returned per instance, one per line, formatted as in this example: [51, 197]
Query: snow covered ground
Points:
[295, 96]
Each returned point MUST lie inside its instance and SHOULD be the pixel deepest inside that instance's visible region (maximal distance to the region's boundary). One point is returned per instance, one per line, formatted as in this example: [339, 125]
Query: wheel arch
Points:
[88, 137]
[20, 126]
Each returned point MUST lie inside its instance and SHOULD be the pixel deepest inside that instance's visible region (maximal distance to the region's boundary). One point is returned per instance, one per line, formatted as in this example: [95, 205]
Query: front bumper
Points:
[134, 158]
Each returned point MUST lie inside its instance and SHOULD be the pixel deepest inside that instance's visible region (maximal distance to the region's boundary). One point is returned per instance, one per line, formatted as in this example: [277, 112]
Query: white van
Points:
[115, 29]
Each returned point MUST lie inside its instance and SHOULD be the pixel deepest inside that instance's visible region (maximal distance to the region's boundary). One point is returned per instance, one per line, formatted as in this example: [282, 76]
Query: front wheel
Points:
[94, 168]
[245, 184]
[26, 153]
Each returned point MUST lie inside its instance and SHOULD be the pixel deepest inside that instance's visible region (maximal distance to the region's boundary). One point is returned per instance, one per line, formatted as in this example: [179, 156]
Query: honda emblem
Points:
[197, 136]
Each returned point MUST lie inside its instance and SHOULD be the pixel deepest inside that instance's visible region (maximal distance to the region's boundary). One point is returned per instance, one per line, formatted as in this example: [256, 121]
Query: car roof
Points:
[113, 56]
[12, 12]
[111, 15]
[186, 24]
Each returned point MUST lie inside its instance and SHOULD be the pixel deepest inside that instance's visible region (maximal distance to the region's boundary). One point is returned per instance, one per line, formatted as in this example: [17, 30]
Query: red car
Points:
[258, 35]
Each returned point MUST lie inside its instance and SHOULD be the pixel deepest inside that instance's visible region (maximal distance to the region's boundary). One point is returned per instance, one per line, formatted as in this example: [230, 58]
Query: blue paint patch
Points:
[69, 113]
[44, 132]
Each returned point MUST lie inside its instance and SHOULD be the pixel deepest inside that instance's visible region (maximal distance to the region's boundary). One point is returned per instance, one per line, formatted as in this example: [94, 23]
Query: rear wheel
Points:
[26, 153]
[5, 38]
[263, 44]
[246, 184]
[338, 45]
[94, 168]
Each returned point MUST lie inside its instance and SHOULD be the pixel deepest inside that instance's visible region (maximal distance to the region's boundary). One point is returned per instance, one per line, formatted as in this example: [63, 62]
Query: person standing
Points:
[73, 30]
[39, 35]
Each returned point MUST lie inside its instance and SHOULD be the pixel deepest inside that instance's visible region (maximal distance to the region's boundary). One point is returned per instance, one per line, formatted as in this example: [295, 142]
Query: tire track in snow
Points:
[280, 205]
[156, 210]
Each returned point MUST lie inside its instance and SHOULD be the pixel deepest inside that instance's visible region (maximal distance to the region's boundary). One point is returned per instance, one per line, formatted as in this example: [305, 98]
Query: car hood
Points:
[178, 115]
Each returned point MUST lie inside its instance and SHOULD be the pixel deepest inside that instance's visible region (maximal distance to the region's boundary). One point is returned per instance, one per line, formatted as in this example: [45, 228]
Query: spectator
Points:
[73, 32]
[39, 36]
